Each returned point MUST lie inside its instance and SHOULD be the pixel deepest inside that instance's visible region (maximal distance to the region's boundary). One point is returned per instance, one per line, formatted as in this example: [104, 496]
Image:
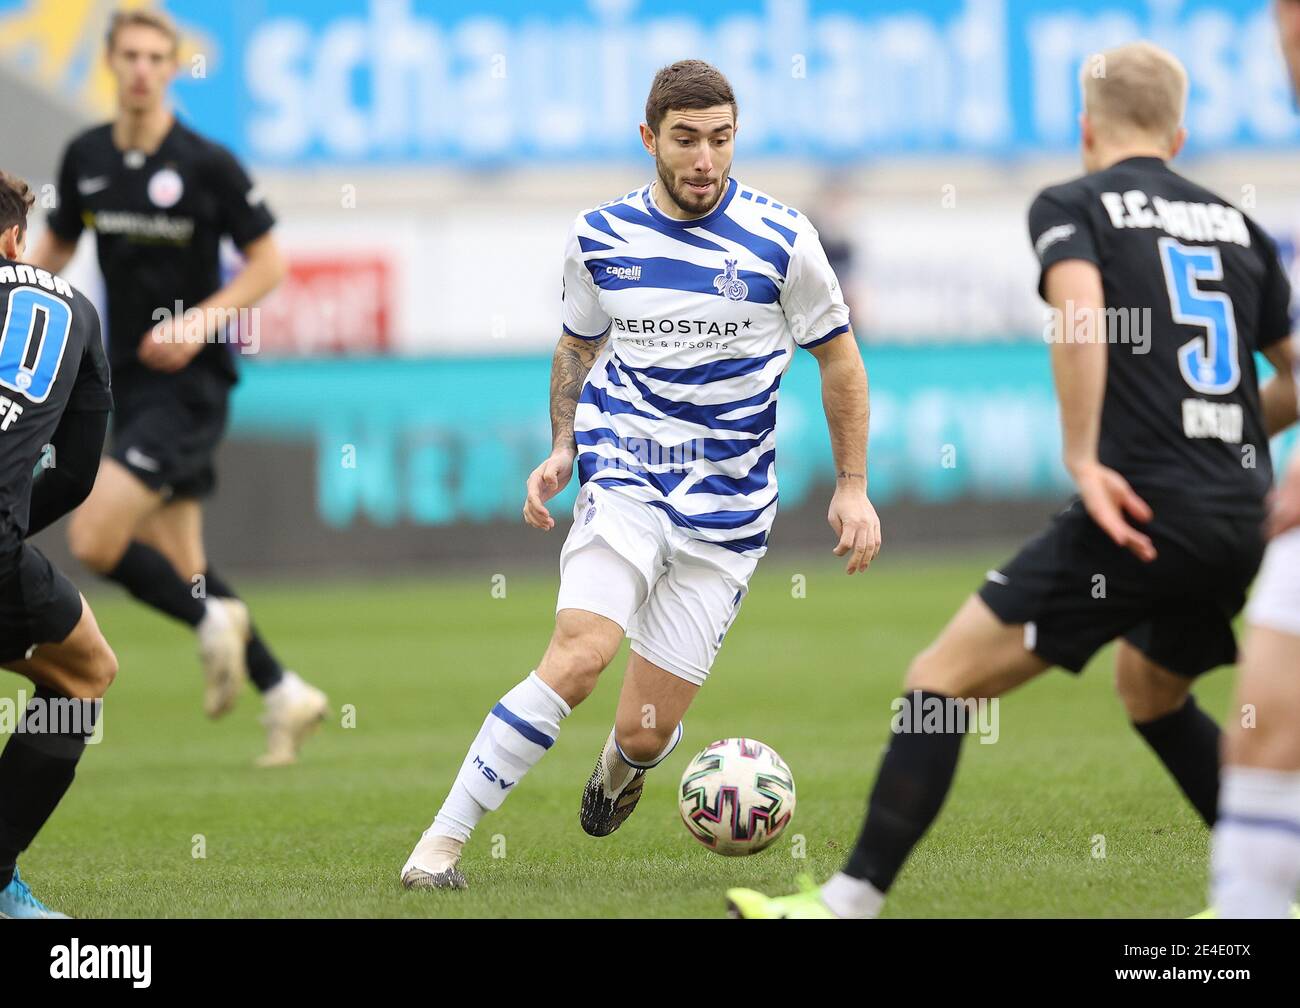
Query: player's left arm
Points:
[846, 401]
[72, 463]
[67, 481]
[245, 217]
[819, 319]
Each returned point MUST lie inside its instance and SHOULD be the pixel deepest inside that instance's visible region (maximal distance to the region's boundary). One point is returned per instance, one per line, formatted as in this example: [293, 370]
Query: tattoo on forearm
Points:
[842, 475]
[573, 359]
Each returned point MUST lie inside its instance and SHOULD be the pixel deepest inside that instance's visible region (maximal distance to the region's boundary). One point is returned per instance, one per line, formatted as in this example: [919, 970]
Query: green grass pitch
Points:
[421, 661]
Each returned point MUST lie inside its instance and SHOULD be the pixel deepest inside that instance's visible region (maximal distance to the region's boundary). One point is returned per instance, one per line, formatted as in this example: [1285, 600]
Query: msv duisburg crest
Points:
[728, 283]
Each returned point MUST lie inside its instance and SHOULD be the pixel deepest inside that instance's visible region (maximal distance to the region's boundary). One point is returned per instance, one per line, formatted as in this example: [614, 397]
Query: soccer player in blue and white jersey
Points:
[684, 304]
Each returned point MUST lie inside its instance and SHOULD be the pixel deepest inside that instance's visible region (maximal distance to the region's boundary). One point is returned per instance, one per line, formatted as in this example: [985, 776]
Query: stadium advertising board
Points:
[295, 83]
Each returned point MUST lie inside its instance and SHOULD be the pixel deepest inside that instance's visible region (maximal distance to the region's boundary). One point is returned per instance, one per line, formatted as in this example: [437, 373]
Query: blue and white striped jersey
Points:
[703, 315]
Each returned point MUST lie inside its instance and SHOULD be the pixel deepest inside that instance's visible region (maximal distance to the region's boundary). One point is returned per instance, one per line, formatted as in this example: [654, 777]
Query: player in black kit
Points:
[159, 198]
[1161, 292]
[54, 406]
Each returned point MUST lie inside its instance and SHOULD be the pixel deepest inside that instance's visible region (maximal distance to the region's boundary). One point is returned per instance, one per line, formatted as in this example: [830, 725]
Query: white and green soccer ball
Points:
[737, 796]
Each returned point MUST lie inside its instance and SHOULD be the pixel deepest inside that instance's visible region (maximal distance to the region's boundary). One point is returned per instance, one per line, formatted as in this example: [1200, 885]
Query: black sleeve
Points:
[92, 391]
[76, 444]
[65, 219]
[241, 206]
[1275, 295]
[1060, 229]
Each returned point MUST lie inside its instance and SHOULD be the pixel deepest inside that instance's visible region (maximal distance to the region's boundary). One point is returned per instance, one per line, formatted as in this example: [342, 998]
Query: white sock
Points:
[289, 685]
[856, 899]
[214, 615]
[1256, 852]
[515, 735]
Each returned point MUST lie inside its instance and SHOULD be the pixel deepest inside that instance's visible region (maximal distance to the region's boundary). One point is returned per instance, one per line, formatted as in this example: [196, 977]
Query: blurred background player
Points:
[1166, 437]
[684, 302]
[54, 406]
[1256, 853]
[160, 197]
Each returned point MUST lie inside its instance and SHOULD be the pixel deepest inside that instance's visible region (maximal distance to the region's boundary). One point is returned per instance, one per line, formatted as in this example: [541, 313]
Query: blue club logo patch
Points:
[728, 283]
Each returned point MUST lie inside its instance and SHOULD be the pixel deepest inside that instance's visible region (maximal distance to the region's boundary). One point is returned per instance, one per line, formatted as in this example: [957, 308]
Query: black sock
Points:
[263, 668]
[913, 782]
[37, 767]
[1187, 742]
[150, 577]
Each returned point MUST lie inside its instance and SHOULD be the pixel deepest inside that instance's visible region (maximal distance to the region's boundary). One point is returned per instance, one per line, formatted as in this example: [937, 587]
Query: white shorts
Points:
[1275, 601]
[675, 596]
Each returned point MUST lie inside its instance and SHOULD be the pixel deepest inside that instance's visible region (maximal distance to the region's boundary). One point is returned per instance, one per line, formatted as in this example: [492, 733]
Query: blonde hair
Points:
[1135, 89]
[140, 17]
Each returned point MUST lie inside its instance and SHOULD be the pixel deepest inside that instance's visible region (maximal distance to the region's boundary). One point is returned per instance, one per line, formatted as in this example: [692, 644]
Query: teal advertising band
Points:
[435, 441]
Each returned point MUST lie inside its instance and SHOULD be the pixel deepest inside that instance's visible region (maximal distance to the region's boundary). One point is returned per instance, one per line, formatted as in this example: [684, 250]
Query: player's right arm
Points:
[574, 355]
[1071, 284]
[59, 242]
[569, 366]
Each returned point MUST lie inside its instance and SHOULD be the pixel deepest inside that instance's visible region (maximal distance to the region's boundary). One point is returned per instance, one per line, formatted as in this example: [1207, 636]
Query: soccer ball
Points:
[737, 796]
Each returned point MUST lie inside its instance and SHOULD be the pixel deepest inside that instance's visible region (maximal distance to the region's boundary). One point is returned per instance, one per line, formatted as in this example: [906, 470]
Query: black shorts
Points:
[38, 604]
[1076, 591]
[166, 430]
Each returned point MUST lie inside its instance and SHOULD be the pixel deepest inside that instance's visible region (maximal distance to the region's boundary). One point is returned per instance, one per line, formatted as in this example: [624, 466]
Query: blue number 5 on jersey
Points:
[1209, 363]
[35, 333]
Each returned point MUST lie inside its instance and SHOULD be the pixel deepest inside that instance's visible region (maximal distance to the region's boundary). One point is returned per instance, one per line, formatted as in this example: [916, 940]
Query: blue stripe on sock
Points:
[523, 727]
[1262, 822]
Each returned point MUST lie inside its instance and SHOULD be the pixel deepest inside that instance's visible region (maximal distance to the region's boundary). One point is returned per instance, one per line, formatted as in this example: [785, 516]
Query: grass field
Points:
[421, 662]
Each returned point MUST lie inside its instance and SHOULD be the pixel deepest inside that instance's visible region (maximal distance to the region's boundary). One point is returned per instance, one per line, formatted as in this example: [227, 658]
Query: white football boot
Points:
[434, 864]
[223, 637]
[294, 709]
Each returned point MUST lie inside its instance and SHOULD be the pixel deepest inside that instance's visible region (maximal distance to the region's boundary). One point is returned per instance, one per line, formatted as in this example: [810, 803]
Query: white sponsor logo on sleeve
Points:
[1051, 236]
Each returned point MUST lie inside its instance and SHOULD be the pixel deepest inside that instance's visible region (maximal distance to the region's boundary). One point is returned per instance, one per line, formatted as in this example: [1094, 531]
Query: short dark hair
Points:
[16, 200]
[687, 84]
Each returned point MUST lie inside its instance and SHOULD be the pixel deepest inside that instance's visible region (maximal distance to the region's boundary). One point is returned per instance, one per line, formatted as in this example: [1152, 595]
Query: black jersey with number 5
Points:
[1193, 287]
[158, 221]
[51, 362]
